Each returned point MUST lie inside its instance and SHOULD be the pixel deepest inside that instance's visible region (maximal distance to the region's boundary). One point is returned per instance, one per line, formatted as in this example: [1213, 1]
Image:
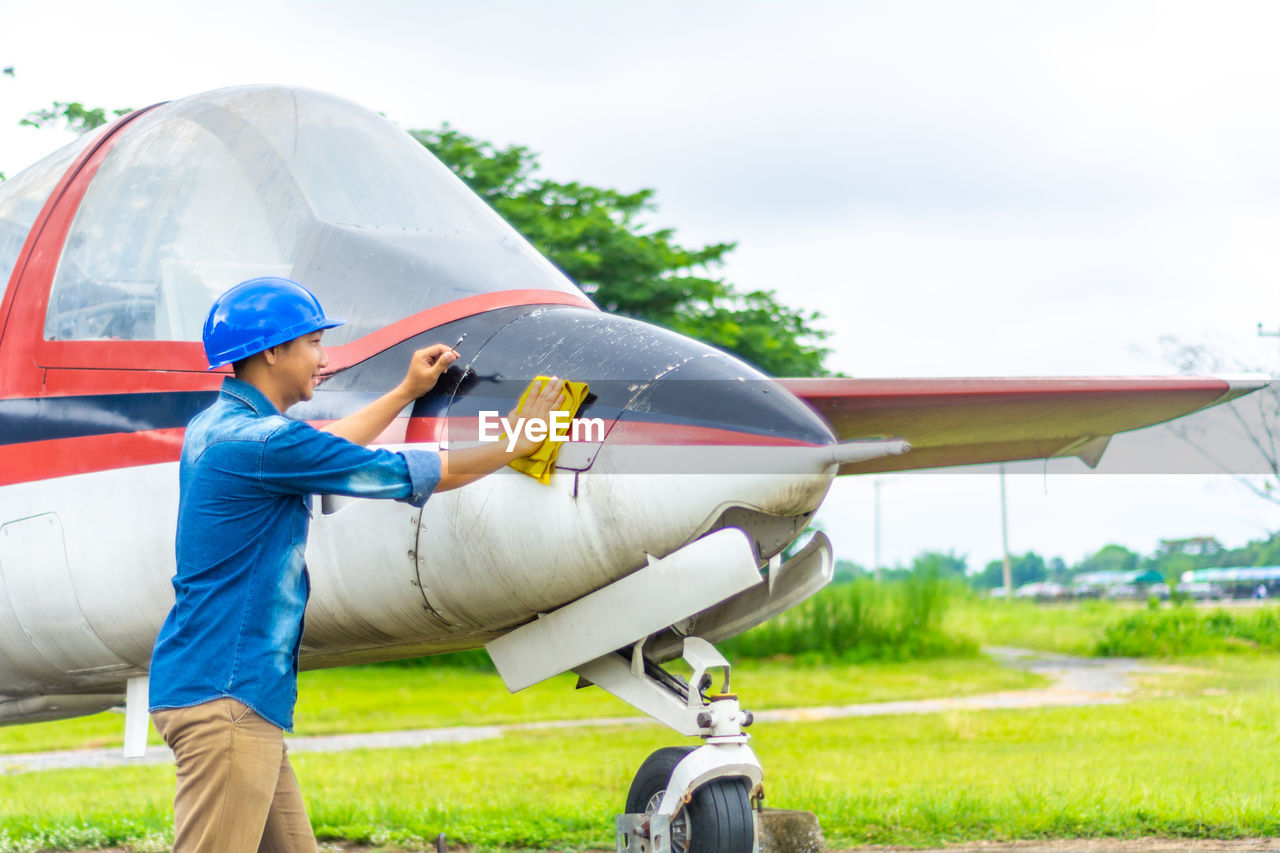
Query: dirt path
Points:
[1075, 682]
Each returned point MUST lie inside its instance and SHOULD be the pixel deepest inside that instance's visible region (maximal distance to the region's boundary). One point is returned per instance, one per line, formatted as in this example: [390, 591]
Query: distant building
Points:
[1115, 584]
[1239, 581]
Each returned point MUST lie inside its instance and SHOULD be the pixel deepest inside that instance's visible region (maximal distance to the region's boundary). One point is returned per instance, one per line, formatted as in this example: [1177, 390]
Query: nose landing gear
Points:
[686, 799]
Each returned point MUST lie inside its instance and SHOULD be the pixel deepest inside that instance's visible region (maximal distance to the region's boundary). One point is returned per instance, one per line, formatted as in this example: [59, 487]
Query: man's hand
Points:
[538, 406]
[425, 369]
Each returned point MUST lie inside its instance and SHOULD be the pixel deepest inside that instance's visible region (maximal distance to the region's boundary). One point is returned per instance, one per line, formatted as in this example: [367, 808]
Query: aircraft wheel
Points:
[716, 820]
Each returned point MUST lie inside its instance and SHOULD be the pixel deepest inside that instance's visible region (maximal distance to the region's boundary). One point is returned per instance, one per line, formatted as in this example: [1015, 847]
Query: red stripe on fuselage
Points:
[63, 457]
[43, 460]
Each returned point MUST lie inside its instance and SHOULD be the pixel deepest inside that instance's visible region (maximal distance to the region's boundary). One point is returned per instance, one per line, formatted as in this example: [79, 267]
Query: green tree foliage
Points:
[599, 238]
[1026, 568]
[847, 571]
[1261, 552]
[1109, 558]
[938, 565]
[71, 115]
[1171, 559]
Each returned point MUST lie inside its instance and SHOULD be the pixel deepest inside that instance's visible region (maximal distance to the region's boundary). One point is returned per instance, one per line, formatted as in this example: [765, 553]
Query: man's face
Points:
[298, 365]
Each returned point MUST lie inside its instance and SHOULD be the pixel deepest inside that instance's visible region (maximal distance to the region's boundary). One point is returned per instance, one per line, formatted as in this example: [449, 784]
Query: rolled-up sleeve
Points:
[424, 474]
[299, 459]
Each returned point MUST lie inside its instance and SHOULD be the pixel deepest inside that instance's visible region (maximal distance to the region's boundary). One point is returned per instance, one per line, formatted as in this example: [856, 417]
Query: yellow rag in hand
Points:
[542, 461]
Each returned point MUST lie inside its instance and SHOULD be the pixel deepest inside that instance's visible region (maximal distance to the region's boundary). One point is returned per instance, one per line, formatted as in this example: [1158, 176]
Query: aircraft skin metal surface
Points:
[111, 251]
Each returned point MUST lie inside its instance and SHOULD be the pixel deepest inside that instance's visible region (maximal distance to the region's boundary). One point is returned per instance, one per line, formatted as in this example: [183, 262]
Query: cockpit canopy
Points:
[201, 193]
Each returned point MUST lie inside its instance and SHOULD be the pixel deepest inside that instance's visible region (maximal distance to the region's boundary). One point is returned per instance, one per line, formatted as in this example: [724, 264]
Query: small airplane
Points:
[658, 535]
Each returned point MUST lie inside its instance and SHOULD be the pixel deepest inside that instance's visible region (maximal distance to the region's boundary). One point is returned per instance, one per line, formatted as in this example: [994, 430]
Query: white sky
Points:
[980, 188]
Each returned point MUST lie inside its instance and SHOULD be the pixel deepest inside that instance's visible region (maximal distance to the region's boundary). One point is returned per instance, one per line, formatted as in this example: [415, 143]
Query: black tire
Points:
[717, 818]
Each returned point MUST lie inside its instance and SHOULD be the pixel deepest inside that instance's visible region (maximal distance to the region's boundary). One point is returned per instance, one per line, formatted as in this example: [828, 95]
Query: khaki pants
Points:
[236, 790]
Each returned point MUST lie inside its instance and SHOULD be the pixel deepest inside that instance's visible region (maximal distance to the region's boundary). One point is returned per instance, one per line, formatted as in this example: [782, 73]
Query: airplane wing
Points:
[971, 421]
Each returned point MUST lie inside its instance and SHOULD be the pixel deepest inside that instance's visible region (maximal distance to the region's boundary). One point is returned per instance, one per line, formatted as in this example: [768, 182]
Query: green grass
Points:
[1183, 766]
[1209, 676]
[1192, 756]
[364, 699]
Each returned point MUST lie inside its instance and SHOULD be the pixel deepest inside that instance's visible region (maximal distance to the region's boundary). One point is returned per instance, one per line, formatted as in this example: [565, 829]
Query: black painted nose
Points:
[647, 385]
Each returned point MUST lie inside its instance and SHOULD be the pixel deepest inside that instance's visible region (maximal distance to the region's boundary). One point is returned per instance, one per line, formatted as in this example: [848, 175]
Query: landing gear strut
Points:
[685, 799]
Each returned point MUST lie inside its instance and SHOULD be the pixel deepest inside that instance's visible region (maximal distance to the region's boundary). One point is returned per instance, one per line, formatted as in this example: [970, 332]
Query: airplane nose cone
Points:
[649, 387]
[713, 414]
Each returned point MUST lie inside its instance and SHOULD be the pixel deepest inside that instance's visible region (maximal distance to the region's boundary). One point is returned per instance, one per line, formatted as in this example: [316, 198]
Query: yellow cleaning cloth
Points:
[542, 461]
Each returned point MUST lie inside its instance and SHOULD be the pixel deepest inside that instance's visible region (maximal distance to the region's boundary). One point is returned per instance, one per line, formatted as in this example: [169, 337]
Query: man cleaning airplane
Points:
[613, 561]
[224, 670]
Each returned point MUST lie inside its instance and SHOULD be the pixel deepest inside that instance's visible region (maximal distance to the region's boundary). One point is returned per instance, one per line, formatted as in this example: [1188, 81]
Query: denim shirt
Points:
[245, 484]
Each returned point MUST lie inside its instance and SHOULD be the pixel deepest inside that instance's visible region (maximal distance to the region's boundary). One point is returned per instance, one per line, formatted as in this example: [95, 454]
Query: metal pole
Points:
[1004, 532]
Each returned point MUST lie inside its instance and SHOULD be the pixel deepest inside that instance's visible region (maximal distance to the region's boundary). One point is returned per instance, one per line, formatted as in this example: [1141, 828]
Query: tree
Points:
[1260, 552]
[847, 570]
[71, 115]
[1024, 569]
[598, 237]
[939, 565]
[1109, 558]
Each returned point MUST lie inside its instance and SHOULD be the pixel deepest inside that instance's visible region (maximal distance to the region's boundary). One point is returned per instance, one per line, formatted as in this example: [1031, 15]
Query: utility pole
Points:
[877, 566]
[1004, 532]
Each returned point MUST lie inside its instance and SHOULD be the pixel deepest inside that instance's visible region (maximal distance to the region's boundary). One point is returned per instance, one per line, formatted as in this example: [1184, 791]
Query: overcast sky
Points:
[985, 188]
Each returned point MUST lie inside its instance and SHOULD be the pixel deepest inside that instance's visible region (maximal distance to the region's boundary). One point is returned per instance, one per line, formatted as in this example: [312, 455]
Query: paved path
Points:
[1076, 681]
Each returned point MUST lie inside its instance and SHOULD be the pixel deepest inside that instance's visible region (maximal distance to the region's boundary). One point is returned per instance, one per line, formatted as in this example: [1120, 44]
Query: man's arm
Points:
[299, 460]
[425, 368]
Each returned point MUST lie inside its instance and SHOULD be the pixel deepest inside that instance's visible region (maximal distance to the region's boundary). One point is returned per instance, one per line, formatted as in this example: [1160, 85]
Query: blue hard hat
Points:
[259, 314]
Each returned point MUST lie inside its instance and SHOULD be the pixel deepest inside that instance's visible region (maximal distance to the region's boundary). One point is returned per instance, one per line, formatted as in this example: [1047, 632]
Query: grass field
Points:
[1191, 756]
[1074, 629]
[1196, 759]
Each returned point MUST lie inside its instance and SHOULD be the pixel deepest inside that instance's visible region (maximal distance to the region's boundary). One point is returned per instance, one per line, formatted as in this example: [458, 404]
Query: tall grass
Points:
[863, 620]
[1074, 629]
